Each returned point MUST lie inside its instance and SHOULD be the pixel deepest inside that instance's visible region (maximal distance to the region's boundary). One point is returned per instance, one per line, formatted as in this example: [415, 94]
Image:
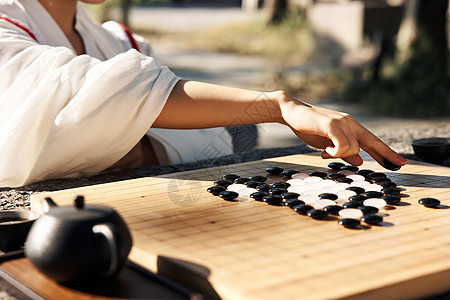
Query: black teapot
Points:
[71, 243]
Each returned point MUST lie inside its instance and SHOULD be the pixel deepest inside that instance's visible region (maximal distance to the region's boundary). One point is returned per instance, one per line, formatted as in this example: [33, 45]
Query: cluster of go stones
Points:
[347, 192]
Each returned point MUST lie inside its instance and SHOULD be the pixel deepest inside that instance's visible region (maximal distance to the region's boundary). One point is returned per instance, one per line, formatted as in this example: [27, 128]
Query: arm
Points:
[97, 111]
[200, 105]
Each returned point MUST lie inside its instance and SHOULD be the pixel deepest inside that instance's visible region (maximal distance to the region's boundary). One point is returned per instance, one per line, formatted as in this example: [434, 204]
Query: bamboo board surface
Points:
[256, 251]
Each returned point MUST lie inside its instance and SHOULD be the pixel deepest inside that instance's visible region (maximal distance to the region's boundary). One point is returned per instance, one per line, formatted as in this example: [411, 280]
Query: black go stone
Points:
[364, 172]
[241, 180]
[290, 196]
[289, 173]
[228, 195]
[264, 188]
[258, 196]
[333, 209]
[278, 192]
[252, 184]
[391, 199]
[351, 204]
[302, 209]
[358, 190]
[292, 202]
[223, 182]
[387, 183]
[345, 180]
[329, 196]
[390, 166]
[318, 174]
[259, 178]
[372, 219]
[379, 180]
[373, 194]
[429, 202]
[273, 200]
[274, 170]
[280, 184]
[357, 198]
[349, 223]
[366, 210]
[216, 190]
[390, 191]
[317, 214]
[377, 175]
[350, 168]
[230, 177]
[335, 165]
[335, 176]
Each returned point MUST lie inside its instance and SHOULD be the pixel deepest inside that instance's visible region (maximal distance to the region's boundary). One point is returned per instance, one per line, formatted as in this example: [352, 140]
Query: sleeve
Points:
[64, 115]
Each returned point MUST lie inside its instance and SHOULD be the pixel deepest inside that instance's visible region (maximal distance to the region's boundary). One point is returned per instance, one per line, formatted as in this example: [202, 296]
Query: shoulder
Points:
[122, 33]
[129, 40]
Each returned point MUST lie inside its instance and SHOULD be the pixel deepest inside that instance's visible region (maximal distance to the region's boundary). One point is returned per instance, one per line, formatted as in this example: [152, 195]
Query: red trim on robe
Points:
[28, 31]
[133, 42]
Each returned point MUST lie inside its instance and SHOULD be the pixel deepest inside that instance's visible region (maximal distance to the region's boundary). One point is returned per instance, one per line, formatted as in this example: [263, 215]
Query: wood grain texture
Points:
[254, 251]
[128, 284]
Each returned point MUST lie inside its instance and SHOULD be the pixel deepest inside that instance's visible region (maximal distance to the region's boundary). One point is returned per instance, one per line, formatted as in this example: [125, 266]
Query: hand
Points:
[338, 134]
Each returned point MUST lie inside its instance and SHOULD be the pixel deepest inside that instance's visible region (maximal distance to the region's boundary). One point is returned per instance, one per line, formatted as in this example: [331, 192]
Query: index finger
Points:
[381, 152]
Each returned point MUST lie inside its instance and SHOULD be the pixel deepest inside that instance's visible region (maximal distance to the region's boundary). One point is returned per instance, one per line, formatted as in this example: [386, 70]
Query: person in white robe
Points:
[76, 99]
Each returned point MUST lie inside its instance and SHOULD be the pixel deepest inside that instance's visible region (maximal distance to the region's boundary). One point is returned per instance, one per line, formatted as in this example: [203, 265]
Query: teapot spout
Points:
[47, 204]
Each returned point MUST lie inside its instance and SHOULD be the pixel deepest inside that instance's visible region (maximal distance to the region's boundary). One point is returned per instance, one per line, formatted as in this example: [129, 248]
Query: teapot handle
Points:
[109, 232]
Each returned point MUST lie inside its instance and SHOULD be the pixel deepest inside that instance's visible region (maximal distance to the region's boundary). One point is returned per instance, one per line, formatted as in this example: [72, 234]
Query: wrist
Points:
[279, 100]
[286, 104]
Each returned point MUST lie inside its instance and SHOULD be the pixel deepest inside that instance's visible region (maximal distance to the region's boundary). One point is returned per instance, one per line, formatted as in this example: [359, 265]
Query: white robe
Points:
[63, 115]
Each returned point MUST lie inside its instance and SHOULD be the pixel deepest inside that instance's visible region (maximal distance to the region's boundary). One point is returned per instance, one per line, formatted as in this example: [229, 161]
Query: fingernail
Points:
[390, 166]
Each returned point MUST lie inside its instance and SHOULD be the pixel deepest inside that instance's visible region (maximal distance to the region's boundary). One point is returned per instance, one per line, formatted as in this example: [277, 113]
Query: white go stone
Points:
[330, 189]
[338, 187]
[299, 176]
[361, 184]
[296, 182]
[323, 202]
[340, 201]
[327, 182]
[308, 199]
[351, 213]
[236, 187]
[299, 189]
[302, 189]
[356, 177]
[342, 186]
[313, 192]
[373, 187]
[313, 179]
[243, 199]
[246, 192]
[345, 194]
[376, 202]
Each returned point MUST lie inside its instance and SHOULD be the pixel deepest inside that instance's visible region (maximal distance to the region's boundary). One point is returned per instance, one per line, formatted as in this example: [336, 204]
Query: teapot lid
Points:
[78, 212]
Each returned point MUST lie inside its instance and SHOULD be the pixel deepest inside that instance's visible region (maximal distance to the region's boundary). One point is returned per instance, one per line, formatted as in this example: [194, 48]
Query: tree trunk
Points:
[424, 20]
[125, 5]
[432, 23]
[276, 10]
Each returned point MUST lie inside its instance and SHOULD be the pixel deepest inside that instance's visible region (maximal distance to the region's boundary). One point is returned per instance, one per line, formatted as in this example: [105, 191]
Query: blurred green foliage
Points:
[288, 42]
[417, 87]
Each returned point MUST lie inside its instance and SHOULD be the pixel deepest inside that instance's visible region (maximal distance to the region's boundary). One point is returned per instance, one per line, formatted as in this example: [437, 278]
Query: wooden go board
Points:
[250, 250]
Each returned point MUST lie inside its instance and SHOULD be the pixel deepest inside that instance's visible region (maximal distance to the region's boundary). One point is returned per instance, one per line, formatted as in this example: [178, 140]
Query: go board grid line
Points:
[265, 229]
